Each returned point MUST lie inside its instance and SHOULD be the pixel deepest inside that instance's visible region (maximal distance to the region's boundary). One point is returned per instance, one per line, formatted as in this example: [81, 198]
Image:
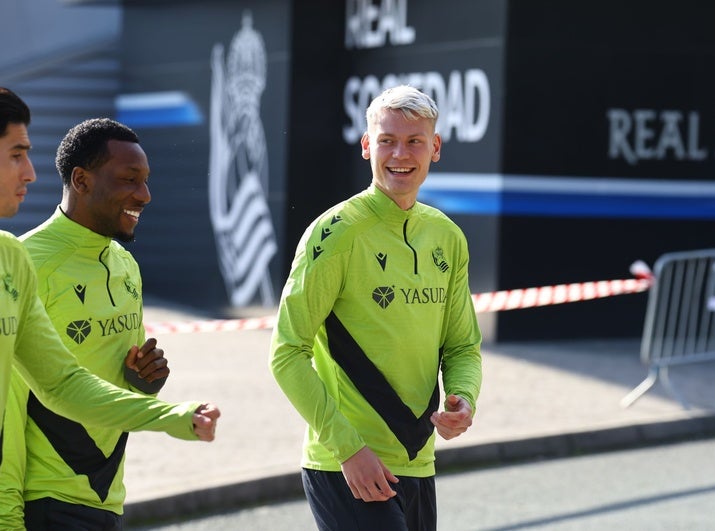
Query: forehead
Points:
[394, 122]
[126, 153]
[15, 137]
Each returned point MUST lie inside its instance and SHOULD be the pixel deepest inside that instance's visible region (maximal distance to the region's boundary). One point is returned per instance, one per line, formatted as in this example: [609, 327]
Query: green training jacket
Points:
[30, 343]
[91, 288]
[376, 303]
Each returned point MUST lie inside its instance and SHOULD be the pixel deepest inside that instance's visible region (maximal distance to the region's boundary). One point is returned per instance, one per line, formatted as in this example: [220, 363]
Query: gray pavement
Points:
[539, 399]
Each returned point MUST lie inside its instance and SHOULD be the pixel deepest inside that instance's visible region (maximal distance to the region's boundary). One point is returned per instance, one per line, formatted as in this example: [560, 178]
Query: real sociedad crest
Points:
[238, 168]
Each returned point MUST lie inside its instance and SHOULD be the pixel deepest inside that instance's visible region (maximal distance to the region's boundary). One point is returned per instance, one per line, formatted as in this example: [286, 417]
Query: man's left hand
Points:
[455, 419]
[147, 361]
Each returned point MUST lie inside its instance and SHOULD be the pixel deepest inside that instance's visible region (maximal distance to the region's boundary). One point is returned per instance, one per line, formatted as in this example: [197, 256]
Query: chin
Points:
[9, 211]
[124, 237]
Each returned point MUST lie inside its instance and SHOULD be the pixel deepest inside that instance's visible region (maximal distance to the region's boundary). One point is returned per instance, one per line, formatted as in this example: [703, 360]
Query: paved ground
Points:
[538, 399]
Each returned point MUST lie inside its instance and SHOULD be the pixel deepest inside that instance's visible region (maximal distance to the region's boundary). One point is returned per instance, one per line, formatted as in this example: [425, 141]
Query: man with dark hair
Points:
[85, 277]
[16, 170]
[28, 340]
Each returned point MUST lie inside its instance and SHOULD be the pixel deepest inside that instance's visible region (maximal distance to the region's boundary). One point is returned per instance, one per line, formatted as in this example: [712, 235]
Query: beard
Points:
[124, 237]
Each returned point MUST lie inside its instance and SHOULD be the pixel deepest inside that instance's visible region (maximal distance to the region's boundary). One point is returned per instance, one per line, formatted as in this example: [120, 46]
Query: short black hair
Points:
[12, 110]
[85, 145]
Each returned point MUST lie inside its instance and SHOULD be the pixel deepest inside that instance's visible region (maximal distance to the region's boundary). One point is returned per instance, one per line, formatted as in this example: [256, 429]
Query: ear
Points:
[365, 143]
[80, 180]
[437, 147]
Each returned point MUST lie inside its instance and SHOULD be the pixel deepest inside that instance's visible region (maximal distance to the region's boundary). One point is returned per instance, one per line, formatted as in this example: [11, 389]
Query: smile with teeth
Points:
[400, 170]
[133, 213]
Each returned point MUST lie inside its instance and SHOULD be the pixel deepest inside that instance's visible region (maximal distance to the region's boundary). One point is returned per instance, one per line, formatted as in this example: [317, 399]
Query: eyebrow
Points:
[26, 147]
[136, 169]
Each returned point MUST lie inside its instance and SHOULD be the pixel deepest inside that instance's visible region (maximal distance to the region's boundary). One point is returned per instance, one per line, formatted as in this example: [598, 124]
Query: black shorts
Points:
[48, 514]
[335, 509]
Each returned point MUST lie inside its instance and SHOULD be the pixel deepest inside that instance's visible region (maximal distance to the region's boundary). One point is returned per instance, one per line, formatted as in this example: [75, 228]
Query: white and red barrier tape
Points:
[213, 325]
[483, 302]
[547, 295]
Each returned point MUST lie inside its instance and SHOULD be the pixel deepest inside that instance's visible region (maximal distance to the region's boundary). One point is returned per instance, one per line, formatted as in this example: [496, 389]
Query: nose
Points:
[28, 172]
[399, 151]
[142, 193]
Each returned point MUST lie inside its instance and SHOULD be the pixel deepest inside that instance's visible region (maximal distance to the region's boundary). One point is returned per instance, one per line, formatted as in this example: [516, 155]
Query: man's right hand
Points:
[368, 477]
[205, 418]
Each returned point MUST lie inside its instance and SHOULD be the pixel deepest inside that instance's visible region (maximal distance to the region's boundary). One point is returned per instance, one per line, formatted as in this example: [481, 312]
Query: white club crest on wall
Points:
[238, 168]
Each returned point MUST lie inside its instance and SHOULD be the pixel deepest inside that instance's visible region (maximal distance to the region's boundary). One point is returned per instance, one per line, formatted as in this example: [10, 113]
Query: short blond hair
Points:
[412, 103]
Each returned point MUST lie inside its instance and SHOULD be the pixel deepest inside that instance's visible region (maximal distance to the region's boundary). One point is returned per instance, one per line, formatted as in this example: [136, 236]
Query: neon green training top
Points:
[376, 303]
[91, 288]
[30, 343]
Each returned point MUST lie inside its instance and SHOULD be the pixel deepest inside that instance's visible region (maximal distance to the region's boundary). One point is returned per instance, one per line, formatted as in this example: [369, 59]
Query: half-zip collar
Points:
[386, 208]
[76, 235]
[82, 240]
[393, 216]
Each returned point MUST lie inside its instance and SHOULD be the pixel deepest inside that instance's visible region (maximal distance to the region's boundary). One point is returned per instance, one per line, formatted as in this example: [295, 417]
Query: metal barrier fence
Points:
[680, 318]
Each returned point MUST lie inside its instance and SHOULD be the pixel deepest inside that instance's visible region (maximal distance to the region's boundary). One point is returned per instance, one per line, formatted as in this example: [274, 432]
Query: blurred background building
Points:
[578, 136]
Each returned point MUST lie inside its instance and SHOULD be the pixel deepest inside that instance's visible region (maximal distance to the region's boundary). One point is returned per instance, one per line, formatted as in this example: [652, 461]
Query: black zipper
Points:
[404, 235]
[111, 299]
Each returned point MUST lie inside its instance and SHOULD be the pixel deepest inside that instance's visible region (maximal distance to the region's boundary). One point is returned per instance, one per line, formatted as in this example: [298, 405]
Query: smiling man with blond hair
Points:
[376, 306]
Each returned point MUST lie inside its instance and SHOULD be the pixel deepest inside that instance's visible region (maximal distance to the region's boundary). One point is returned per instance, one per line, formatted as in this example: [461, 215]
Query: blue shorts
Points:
[335, 509]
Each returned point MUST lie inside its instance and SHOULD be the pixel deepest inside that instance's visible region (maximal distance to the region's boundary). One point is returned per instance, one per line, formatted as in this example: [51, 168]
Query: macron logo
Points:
[80, 291]
[382, 260]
